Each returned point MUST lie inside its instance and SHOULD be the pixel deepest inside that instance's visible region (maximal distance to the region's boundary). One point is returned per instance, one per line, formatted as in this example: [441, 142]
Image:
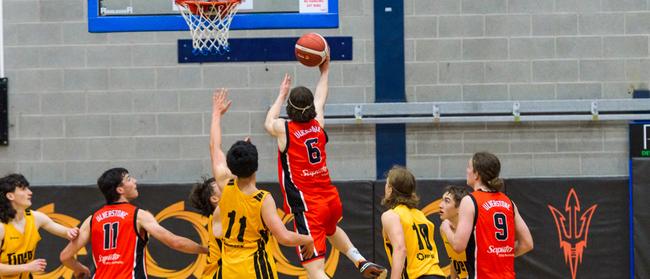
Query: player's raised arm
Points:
[220, 105]
[67, 255]
[273, 124]
[322, 88]
[178, 243]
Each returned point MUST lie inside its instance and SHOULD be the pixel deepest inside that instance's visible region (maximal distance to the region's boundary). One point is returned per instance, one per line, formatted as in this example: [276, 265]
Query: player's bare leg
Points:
[341, 242]
[316, 269]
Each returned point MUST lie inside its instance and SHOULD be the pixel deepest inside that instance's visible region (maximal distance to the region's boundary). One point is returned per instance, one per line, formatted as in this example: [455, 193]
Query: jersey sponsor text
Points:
[314, 172]
[504, 251]
[21, 258]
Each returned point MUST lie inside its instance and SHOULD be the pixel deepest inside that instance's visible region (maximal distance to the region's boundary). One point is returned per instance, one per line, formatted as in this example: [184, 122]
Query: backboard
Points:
[163, 15]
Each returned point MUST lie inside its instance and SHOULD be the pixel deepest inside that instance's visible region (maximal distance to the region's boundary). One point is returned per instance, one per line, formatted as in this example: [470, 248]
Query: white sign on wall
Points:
[314, 6]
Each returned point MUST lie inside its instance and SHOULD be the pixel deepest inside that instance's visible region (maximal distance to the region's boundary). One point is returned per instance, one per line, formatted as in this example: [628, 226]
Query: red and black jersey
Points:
[118, 248]
[302, 166]
[491, 248]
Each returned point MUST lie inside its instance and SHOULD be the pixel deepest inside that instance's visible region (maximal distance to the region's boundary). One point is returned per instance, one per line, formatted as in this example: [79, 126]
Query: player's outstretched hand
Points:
[82, 273]
[307, 250]
[285, 86]
[37, 265]
[325, 66]
[72, 233]
[372, 270]
[220, 102]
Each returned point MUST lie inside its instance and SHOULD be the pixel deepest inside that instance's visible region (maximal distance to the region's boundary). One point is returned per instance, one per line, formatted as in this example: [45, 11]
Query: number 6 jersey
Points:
[118, 249]
[491, 247]
[302, 166]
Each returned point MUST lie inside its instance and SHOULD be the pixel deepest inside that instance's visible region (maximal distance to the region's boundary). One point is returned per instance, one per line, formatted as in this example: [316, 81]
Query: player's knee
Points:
[315, 269]
[317, 274]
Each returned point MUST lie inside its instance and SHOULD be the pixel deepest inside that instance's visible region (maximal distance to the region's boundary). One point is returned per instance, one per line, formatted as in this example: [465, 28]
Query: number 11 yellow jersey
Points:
[245, 252]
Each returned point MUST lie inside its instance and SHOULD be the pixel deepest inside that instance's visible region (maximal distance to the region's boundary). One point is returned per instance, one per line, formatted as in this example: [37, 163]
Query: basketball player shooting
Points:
[304, 177]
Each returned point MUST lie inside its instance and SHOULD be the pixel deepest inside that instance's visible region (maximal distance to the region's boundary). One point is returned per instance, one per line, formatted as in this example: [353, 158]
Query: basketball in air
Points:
[312, 49]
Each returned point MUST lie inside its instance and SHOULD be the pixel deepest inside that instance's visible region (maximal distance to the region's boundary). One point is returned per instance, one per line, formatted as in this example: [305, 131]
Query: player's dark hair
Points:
[8, 184]
[402, 183]
[109, 181]
[242, 159]
[488, 167]
[201, 194]
[300, 106]
[457, 193]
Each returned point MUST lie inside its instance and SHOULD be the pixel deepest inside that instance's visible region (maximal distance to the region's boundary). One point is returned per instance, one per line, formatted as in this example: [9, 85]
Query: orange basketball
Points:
[311, 49]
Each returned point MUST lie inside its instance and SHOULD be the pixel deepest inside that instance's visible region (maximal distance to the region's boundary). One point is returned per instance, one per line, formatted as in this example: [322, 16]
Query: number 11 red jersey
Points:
[302, 166]
[491, 248]
[118, 250]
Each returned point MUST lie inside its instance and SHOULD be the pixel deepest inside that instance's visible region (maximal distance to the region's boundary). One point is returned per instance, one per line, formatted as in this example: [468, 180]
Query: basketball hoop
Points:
[209, 22]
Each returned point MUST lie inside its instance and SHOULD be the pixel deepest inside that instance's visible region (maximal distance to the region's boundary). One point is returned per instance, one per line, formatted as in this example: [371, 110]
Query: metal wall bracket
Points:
[436, 113]
[594, 110]
[515, 111]
[358, 113]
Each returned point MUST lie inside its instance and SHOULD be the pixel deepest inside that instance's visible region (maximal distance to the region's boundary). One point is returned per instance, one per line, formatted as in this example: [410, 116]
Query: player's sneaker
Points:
[372, 270]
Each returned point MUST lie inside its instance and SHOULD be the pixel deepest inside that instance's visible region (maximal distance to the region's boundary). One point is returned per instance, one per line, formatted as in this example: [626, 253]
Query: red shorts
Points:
[323, 213]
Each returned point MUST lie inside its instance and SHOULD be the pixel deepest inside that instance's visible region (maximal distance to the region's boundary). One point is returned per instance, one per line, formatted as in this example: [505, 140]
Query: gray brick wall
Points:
[82, 102]
[527, 50]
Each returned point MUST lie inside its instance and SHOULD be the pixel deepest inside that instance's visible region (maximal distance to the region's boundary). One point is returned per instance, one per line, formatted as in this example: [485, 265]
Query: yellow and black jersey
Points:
[421, 252]
[214, 254]
[458, 260]
[245, 253]
[20, 247]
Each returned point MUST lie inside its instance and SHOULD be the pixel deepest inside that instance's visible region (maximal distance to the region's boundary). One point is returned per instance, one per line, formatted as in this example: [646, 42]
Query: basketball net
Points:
[209, 22]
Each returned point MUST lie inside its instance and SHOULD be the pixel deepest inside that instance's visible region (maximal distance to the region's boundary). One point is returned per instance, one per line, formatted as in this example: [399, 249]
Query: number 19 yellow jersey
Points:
[421, 252]
[458, 260]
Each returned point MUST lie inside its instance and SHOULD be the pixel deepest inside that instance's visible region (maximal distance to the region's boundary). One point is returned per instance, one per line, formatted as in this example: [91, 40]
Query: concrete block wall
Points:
[477, 50]
[81, 103]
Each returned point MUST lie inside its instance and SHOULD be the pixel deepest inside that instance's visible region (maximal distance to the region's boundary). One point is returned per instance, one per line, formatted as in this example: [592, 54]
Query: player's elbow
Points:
[65, 256]
[399, 249]
[459, 247]
[530, 246]
[523, 246]
[527, 245]
[268, 126]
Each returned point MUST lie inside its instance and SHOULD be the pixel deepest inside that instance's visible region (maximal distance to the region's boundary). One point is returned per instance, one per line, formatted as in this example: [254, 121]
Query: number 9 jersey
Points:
[491, 248]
